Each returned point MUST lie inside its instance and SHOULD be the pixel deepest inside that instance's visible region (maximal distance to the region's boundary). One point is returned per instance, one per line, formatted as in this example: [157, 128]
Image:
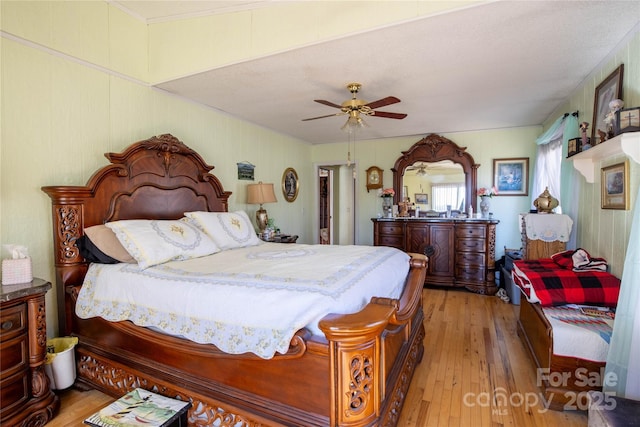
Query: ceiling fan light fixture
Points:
[421, 172]
[353, 123]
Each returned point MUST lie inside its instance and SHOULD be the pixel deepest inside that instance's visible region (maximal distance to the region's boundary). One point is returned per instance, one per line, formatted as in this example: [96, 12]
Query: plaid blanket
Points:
[544, 281]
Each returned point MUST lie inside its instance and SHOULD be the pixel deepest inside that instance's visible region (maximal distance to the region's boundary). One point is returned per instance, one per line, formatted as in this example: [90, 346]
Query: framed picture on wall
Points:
[290, 184]
[421, 198]
[511, 176]
[615, 186]
[607, 91]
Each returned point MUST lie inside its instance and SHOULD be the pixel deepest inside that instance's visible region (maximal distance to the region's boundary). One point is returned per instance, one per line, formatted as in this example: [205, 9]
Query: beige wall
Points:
[603, 232]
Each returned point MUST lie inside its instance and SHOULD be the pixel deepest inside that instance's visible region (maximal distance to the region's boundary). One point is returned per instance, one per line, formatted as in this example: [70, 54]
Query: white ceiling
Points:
[497, 65]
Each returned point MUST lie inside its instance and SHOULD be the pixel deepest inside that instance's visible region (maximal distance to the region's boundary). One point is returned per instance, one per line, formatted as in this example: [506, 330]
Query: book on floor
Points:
[139, 408]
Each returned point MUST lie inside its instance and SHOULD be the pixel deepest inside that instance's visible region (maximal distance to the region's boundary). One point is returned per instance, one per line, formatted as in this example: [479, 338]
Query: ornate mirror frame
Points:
[434, 148]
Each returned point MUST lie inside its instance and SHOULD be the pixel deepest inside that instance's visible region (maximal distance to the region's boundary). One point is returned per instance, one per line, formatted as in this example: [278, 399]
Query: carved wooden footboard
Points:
[357, 375]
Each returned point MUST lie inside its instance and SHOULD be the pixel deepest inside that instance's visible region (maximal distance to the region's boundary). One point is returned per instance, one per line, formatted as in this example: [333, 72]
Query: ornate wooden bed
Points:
[357, 375]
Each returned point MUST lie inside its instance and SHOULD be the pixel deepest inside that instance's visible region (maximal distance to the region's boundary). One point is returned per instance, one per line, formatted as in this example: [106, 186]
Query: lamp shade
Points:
[260, 193]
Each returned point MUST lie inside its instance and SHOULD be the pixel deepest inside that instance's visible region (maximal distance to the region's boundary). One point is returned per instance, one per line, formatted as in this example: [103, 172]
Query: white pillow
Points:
[153, 242]
[228, 229]
[107, 241]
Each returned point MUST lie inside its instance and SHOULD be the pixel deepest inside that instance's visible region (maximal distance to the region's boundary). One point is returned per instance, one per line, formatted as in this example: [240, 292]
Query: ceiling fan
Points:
[355, 107]
[422, 168]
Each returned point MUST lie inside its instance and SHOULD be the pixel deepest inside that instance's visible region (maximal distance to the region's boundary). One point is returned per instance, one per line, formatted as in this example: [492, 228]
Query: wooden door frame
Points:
[316, 198]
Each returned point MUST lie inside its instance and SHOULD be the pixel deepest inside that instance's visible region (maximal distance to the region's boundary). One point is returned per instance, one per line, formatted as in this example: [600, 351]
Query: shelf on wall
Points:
[627, 143]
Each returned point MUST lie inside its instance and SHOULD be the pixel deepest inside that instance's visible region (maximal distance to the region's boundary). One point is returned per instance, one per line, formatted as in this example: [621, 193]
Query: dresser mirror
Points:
[433, 164]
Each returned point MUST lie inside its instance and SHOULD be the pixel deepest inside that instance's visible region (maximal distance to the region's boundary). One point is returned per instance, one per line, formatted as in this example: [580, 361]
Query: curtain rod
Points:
[574, 114]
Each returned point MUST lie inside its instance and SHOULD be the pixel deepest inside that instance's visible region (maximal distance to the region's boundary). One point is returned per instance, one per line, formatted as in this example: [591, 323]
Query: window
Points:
[447, 194]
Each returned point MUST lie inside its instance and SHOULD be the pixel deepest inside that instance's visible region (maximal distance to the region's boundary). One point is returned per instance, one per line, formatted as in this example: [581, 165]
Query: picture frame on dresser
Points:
[511, 176]
[608, 90]
[615, 186]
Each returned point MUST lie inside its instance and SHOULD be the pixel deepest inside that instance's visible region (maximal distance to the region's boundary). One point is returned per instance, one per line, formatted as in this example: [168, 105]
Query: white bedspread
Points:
[245, 300]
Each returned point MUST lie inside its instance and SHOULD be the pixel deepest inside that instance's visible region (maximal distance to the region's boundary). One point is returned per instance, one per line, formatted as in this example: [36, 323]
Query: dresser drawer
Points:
[469, 273]
[14, 392]
[13, 322]
[470, 245]
[390, 228]
[393, 241]
[15, 355]
[474, 259]
[474, 231]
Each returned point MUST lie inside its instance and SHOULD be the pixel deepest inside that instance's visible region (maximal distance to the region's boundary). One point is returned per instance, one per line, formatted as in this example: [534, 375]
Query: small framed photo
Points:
[511, 176]
[245, 170]
[628, 120]
[290, 184]
[574, 146]
[607, 91]
[615, 186]
[421, 198]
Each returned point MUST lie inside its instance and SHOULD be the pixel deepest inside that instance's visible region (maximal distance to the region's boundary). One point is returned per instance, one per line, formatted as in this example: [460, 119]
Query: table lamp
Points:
[258, 194]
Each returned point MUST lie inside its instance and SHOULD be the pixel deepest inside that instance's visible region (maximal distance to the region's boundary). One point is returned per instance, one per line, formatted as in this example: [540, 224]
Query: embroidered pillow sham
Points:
[153, 242]
[228, 229]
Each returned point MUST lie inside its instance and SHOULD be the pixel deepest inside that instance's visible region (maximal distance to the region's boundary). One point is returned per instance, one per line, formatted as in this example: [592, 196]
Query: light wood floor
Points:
[472, 353]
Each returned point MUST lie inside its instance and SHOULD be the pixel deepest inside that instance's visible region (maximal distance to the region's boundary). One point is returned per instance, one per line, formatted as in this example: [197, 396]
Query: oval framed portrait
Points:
[290, 184]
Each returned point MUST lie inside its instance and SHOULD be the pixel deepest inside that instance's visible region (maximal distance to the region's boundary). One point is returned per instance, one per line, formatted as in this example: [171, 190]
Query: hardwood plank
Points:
[472, 351]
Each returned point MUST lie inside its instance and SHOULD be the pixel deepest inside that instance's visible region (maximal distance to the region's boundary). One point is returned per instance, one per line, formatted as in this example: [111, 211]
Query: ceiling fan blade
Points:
[322, 117]
[382, 102]
[329, 103]
[388, 115]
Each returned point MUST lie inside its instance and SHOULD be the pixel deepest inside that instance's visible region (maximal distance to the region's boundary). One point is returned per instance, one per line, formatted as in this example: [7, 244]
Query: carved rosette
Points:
[38, 418]
[39, 382]
[69, 220]
[202, 413]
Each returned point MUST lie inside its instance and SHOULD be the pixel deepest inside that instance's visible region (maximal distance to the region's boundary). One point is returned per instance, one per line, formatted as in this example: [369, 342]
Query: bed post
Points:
[362, 393]
[355, 350]
[70, 266]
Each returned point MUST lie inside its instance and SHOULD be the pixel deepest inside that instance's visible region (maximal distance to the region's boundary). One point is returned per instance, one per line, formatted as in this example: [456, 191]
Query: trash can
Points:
[60, 364]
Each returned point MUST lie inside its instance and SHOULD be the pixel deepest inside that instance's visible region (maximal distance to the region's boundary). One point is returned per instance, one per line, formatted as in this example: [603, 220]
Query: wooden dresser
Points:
[461, 252]
[25, 396]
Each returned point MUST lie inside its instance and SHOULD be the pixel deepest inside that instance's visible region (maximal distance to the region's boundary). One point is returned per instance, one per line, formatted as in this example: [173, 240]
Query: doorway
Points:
[336, 215]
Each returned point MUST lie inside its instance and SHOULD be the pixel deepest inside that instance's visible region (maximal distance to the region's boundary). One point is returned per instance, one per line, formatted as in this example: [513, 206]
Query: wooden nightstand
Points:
[25, 395]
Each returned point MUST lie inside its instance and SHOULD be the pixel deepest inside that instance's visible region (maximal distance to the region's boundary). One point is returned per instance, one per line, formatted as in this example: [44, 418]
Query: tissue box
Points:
[16, 271]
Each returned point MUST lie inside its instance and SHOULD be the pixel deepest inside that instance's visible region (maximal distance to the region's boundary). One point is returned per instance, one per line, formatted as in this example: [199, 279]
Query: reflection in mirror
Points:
[427, 169]
[435, 186]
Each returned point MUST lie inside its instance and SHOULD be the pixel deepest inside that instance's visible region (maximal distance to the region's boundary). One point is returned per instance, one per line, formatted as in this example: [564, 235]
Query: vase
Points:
[387, 207]
[485, 205]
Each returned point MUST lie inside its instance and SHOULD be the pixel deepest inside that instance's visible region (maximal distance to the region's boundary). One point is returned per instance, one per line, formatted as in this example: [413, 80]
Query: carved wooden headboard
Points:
[158, 178]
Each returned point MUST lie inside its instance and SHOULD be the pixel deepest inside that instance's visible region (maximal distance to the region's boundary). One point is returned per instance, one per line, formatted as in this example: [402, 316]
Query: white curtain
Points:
[548, 162]
[447, 194]
[623, 359]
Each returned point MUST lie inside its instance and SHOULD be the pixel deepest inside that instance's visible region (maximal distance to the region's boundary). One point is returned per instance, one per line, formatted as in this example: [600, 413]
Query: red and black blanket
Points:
[550, 284]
